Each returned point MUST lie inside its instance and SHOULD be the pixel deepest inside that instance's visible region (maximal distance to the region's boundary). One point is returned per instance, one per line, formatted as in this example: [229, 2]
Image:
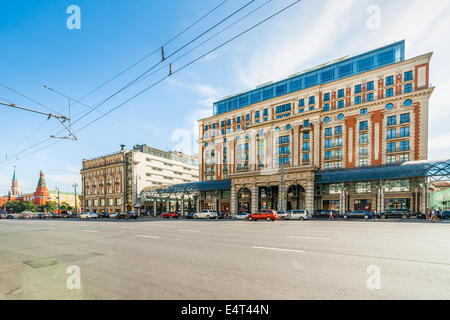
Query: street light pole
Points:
[59, 201]
[75, 185]
[282, 186]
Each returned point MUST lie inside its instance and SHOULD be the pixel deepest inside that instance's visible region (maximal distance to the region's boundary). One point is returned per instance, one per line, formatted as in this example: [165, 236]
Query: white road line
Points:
[314, 238]
[186, 230]
[20, 226]
[90, 230]
[277, 249]
[144, 236]
[128, 227]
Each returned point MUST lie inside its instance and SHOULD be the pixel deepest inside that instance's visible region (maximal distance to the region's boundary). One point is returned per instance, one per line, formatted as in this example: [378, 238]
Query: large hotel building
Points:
[335, 130]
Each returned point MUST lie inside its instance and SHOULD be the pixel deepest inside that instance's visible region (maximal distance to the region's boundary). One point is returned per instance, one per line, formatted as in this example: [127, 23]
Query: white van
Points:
[298, 215]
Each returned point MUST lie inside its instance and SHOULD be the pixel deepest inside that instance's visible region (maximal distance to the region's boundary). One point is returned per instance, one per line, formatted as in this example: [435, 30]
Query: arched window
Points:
[340, 116]
[407, 102]
[389, 106]
[326, 119]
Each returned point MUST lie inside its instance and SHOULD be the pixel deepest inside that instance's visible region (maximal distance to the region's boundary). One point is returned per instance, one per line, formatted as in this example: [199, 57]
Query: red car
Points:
[269, 215]
[170, 215]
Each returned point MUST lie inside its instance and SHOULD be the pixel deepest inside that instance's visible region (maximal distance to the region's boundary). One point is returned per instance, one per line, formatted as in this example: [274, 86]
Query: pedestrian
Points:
[427, 214]
[330, 217]
[375, 215]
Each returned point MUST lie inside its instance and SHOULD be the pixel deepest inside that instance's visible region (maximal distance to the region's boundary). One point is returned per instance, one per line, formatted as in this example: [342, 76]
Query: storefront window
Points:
[403, 203]
[331, 204]
[363, 187]
[332, 188]
[397, 185]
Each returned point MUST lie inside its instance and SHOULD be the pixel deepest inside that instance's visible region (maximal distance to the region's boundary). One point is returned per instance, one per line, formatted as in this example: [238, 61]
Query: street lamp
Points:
[75, 185]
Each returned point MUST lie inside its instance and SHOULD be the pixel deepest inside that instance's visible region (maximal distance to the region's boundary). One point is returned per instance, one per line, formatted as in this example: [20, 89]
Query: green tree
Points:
[20, 206]
[50, 206]
[66, 206]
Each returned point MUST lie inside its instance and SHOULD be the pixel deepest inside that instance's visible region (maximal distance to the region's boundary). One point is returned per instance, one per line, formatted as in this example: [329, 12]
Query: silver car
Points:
[205, 214]
[298, 215]
[241, 216]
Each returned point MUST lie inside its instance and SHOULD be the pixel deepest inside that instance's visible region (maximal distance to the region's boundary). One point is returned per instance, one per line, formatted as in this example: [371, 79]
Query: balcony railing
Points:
[397, 135]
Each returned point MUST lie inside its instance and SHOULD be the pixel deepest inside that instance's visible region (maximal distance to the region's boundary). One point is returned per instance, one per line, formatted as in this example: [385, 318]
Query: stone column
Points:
[381, 198]
[255, 200]
[252, 151]
[197, 204]
[309, 196]
[295, 149]
[233, 200]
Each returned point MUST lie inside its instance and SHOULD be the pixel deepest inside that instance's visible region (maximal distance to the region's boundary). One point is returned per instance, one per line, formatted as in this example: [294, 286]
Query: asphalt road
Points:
[187, 259]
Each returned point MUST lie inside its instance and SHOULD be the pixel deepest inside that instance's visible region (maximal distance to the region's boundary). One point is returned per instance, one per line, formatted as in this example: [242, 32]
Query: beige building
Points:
[360, 112]
[113, 183]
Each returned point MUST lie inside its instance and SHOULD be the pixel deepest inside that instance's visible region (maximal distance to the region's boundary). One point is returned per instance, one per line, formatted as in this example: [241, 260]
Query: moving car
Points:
[282, 215]
[170, 215]
[89, 215]
[356, 214]
[206, 214]
[396, 213]
[269, 215]
[298, 215]
[240, 216]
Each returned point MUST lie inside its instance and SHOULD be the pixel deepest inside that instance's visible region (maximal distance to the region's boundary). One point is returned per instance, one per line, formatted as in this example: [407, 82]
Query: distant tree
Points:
[50, 206]
[20, 206]
[66, 206]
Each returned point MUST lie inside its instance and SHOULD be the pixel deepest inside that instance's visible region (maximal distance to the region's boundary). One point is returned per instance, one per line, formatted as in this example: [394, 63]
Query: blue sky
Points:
[38, 48]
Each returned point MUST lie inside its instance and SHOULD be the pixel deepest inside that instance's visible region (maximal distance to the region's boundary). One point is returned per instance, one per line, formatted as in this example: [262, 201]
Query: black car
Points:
[131, 215]
[445, 214]
[396, 213]
[103, 215]
[223, 215]
[326, 213]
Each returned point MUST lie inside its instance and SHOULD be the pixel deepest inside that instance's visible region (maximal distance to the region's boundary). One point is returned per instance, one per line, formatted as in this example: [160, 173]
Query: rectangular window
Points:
[389, 92]
[312, 100]
[338, 130]
[328, 143]
[363, 111]
[228, 122]
[305, 135]
[301, 110]
[358, 100]
[306, 157]
[363, 151]
[389, 81]
[392, 120]
[283, 139]
[404, 145]
[328, 132]
[327, 155]
[391, 147]
[305, 146]
[341, 93]
[338, 142]
[404, 132]
[214, 126]
[390, 159]
[363, 162]
[404, 118]
[370, 86]
[247, 117]
[326, 107]
[357, 89]
[256, 114]
[404, 157]
[222, 124]
[408, 76]
[391, 134]
[301, 103]
[363, 138]
[265, 112]
[408, 88]
[340, 104]
[363, 125]
[326, 97]
[238, 120]
[306, 123]
[369, 97]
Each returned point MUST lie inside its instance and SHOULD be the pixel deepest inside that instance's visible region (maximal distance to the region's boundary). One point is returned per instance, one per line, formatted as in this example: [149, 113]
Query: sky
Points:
[38, 48]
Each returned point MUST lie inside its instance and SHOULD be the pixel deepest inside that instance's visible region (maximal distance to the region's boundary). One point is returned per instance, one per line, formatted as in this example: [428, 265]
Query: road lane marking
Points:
[187, 230]
[313, 238]
[278, 249]
[144, 236]
[20, 226]
[128, 227]
[90, 230]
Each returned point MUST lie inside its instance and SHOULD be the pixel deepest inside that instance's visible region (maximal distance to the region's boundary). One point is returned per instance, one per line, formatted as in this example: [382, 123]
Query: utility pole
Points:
[59, 201]
[75, 185]
[282, 185]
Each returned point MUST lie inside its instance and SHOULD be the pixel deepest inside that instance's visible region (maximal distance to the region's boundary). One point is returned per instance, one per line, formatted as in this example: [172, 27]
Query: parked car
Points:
[205, 214]
[170, 215]
[326, 213]
[223, 215]
[190, 215]
[132, 215]
[12, 216]
[122, 215]
[396, 213]
[113, 215]
[445, 214]
[240, 216]
[356, 214]
[103, 215]
[282, 215]
[89, 215]
[269, 215]
[298, 215]
[56, 215]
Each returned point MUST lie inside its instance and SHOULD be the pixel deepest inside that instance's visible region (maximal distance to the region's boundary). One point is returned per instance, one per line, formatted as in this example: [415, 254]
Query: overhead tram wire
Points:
[154, 51]
[157, 64]
[203, 42]
[183, 67]
[96, 106]
[130, 67]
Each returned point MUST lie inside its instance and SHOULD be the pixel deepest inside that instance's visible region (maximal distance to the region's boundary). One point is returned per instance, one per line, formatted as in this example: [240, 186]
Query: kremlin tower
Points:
[41, 195]
[15, 191]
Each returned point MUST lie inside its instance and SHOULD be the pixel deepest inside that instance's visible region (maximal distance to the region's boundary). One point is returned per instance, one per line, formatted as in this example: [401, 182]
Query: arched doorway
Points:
[244, 198]
[268, 198]
[296, 198]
